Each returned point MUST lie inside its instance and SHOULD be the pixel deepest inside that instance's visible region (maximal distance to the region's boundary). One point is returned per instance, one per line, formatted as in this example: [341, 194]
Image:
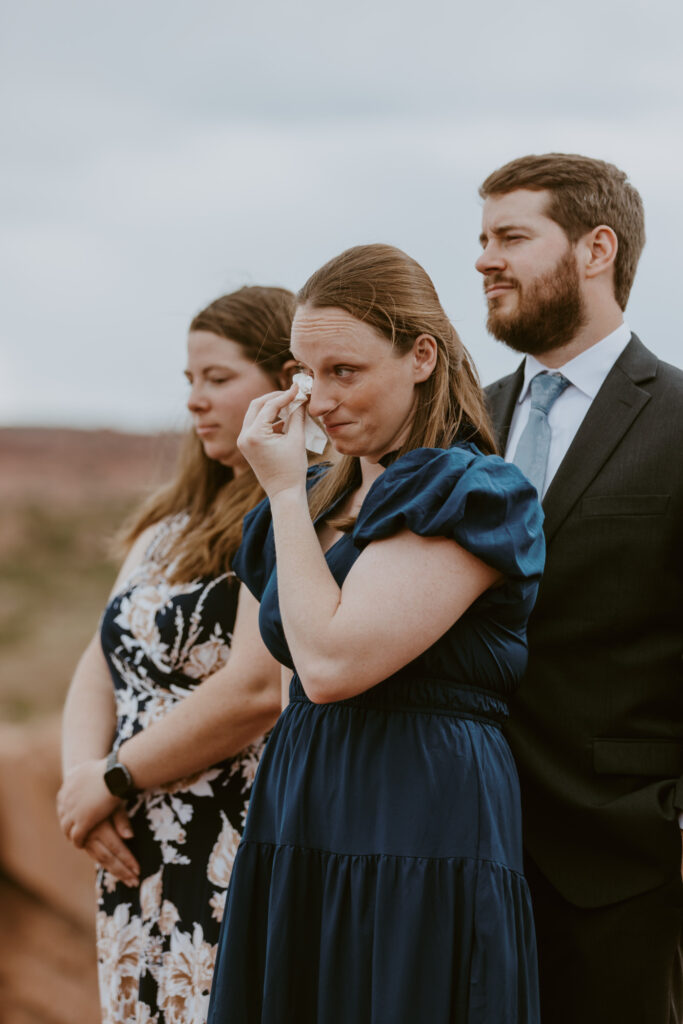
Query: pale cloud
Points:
[159, 154]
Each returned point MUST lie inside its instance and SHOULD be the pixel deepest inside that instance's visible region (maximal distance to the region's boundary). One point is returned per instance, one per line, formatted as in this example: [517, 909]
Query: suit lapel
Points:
[613, 410]
[501, 398]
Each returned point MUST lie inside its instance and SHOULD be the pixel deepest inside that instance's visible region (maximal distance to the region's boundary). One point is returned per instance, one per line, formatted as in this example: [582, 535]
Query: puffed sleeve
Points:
[254, 561]
[484, 503]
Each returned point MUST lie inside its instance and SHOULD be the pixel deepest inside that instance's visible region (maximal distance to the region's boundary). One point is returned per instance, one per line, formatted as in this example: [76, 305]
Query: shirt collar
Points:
[588, 370]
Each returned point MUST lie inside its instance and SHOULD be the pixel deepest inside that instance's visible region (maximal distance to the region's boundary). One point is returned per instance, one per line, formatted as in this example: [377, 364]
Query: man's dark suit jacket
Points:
[597, 724]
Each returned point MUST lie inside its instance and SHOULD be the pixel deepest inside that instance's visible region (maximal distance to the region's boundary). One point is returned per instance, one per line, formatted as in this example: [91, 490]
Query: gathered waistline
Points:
[421, 695]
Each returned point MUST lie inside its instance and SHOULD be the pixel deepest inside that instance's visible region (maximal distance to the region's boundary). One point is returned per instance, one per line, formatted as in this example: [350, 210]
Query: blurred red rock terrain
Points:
[63, 495]
[65, 466]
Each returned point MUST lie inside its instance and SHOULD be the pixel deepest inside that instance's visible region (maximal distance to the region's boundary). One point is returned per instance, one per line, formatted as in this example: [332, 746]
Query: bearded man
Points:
[596, 422]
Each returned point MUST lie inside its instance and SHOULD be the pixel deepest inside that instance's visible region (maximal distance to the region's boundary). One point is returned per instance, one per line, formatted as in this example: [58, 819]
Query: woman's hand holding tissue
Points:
[272, 440]
[315, 436]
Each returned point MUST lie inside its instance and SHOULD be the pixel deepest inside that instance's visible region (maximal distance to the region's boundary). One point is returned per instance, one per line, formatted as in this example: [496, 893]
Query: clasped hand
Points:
[275, 451]
[96, 821]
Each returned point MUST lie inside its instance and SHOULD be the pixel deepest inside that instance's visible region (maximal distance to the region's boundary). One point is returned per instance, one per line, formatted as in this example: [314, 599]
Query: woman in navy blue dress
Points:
[379, 879]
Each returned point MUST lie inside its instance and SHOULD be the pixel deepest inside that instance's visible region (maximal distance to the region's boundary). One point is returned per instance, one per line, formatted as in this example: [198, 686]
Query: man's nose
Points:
[491, 258]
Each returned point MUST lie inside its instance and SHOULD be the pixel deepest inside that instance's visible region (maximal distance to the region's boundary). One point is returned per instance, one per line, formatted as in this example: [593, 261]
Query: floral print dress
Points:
[156, 943]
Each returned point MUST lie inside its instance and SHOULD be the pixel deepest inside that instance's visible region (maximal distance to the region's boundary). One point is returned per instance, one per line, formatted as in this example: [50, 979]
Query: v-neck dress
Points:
[379, 878]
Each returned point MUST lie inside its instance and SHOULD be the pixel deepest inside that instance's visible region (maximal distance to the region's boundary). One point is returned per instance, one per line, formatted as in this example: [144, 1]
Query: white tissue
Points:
[315, 436]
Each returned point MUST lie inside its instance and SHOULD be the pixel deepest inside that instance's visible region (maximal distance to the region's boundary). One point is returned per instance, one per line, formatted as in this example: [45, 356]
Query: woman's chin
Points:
[346, 447]
[212, 450]
[365, 448]
[356, 451]
[230, 458]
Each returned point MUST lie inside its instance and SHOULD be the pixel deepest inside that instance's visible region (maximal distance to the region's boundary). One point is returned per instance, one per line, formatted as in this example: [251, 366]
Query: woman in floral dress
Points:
[166, 850]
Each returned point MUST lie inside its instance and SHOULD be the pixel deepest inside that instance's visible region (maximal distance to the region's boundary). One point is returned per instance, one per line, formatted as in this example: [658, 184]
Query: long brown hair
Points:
[213, 498]
[385, 288]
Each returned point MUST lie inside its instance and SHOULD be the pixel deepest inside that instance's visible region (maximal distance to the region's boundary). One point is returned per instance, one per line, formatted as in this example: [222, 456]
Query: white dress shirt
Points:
[586, 374]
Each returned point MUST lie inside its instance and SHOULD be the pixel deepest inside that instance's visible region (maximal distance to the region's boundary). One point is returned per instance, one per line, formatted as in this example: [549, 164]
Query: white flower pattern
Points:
[157, 944]
[185, 982]
[150, 896]
[208, 657]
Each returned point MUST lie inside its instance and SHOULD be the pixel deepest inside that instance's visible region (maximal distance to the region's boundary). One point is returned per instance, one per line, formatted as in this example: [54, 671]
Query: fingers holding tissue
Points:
[315, 436]
[276, 433]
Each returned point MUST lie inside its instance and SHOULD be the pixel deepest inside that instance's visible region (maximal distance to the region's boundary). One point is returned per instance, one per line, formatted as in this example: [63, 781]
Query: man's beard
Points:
[550, 311]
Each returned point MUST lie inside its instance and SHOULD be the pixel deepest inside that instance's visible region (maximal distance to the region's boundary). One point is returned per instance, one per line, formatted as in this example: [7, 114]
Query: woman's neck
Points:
[369, 472]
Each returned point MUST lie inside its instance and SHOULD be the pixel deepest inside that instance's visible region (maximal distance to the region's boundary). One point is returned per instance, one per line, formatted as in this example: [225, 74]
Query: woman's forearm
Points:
[221, 717]
[309, 595]
[89, 719]
[224, 714]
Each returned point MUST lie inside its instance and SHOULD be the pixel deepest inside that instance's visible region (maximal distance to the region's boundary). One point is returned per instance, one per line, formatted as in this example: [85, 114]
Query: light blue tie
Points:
[534, 444]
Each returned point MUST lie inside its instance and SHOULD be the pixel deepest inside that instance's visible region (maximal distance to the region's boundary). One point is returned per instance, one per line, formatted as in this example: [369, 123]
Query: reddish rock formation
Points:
[47, 964]
[47, 945]
[47, 902]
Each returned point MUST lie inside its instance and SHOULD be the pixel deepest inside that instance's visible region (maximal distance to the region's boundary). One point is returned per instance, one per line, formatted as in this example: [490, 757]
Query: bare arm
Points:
[88, 728]
[229, 710]
[401, 595]
[345, 640]
[89, 718]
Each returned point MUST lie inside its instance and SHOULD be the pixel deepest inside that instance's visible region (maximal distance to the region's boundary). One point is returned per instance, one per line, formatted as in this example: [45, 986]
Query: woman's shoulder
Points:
[484, 503]
[429, 476]
[152, 552]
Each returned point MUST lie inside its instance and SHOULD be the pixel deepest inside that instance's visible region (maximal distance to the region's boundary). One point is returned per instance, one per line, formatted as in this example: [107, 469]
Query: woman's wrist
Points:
[123, 755]
[293, 495]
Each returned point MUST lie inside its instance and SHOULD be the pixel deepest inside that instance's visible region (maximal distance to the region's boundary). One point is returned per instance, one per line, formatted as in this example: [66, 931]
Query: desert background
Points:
[63, 495]
[157, 155]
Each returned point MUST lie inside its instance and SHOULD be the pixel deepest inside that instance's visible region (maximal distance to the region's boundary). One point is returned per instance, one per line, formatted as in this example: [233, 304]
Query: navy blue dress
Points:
[379, 878]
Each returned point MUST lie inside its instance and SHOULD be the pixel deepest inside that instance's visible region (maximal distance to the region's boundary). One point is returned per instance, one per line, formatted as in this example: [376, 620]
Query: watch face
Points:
[118, 780]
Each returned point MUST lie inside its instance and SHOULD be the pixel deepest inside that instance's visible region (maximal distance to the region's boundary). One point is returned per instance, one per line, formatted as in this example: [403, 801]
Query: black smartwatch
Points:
[117, 778]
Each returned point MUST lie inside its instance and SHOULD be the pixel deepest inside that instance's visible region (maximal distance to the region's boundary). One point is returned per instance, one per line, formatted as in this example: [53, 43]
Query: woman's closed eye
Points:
[218, 378]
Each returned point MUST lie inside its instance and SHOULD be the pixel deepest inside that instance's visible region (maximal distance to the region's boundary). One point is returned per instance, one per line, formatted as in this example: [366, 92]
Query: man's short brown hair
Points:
[584, 193]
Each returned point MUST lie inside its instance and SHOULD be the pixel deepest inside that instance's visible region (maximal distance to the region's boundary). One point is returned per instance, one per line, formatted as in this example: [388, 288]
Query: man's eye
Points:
[342, 371]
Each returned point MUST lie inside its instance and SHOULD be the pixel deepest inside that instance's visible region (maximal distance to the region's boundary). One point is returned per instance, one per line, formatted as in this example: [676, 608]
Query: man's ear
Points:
[598, 250]
[424, 354]
[286, 372]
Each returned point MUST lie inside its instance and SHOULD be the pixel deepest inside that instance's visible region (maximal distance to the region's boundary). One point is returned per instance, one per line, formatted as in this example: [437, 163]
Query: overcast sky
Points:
[157, 153]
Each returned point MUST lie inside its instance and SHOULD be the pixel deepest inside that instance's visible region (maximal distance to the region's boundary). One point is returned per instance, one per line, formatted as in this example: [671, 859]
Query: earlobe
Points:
[425, 352]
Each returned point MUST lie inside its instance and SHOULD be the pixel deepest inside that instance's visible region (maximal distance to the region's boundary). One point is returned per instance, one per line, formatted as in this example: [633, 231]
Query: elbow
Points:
[320, 694]
[327, 681]
[317, 694]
